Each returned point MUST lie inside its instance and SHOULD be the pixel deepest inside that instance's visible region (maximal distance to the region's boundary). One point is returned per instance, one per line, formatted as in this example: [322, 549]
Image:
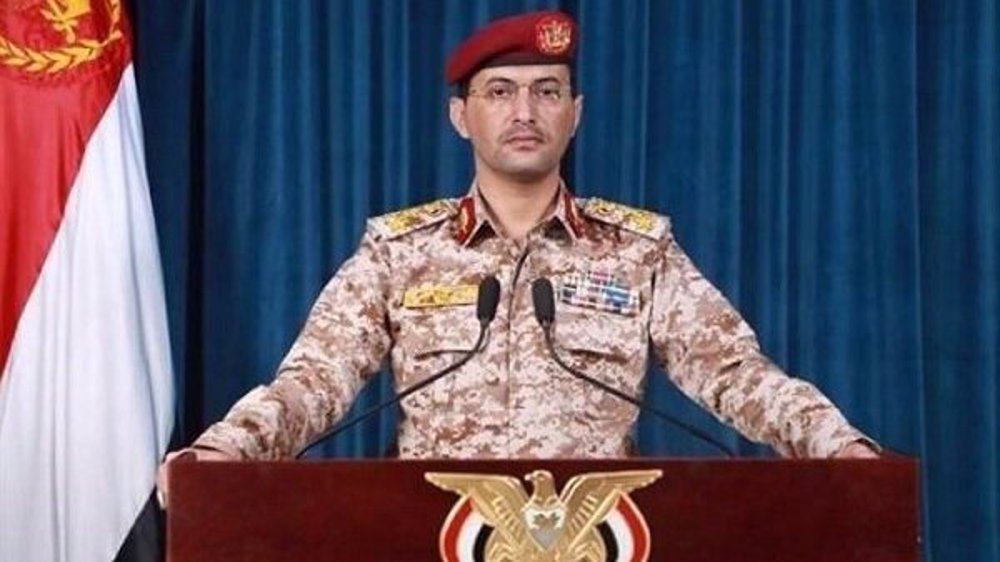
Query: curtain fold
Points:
[831, 166]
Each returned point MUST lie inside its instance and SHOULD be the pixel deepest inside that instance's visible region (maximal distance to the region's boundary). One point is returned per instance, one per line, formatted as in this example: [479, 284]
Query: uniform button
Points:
[492, 379]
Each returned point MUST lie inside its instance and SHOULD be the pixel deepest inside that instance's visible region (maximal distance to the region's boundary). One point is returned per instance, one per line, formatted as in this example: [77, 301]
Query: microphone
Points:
[544, 303]
[487, 301]
[545, 306]
[486, 310]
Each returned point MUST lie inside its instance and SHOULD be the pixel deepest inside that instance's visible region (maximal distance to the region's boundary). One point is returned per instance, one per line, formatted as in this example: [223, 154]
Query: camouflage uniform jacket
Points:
[623, 287]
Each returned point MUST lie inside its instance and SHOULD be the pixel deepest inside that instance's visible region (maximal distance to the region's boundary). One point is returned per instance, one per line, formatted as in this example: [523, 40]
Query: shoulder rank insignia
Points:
[640, 221]
[396, 224]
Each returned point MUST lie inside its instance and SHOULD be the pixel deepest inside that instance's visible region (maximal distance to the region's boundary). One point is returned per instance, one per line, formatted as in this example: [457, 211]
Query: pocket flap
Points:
[442, 330]
[600, 333]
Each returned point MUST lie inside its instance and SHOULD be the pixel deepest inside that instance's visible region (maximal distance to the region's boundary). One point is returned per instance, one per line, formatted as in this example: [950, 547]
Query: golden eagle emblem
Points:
[554, 35]
[544, 527]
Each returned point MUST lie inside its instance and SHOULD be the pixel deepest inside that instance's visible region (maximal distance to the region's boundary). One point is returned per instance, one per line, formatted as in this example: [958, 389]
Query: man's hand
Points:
[162, 493]
[856, 450]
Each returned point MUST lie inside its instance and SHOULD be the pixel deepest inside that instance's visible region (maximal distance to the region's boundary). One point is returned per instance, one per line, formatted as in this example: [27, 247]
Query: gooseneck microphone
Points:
[486, 310]
[544, 303]
[486, 303]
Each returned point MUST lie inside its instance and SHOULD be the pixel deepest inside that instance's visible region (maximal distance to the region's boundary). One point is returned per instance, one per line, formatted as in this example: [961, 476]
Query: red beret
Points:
[548, 37]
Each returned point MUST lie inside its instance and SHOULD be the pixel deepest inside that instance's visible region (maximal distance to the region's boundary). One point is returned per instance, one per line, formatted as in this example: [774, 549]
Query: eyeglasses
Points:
[505, 92]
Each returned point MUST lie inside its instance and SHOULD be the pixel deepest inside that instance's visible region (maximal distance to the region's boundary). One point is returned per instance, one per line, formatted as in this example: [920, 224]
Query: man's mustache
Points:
[522, 131]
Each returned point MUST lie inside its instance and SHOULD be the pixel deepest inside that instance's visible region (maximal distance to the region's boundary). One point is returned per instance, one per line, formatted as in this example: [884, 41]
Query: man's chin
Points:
[528, 172]
[528, 175]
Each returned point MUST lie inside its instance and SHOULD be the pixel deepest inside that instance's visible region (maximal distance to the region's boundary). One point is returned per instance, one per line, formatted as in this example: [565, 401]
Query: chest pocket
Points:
[431, 340]
[607, 346]
[602, 334]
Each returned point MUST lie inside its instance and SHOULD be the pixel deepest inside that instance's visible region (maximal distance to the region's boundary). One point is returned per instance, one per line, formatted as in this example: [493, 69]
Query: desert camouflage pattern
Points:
[396, 297]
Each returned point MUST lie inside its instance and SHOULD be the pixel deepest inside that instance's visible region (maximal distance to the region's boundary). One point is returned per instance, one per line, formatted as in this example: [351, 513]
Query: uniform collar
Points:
[474, 215]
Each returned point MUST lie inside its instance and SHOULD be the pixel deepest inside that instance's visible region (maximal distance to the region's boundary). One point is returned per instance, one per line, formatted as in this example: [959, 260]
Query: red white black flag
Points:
[86, 399]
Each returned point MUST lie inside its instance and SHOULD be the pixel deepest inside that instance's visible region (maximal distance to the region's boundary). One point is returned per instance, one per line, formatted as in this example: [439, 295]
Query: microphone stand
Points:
[337, 430]
[631, 399]
[541, 296]
[486, 308]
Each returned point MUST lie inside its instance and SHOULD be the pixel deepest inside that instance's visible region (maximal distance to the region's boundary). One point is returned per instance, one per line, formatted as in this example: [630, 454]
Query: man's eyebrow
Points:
[498, 79]
[549, 78]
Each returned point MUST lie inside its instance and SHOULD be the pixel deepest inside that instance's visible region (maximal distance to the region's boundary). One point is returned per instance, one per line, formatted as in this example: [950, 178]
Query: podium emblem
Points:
[592, 520]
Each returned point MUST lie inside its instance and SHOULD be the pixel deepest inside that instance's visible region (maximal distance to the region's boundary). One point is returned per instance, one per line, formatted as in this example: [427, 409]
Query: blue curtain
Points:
[831, 166]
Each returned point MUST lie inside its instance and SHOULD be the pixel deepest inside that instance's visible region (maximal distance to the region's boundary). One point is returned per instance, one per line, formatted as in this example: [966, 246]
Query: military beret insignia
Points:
[394, 225]
[635, 220]
[554, 35]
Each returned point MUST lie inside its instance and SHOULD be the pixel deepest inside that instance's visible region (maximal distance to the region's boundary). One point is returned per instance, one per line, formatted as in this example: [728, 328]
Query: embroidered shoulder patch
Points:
[640, 221]
[398, 223]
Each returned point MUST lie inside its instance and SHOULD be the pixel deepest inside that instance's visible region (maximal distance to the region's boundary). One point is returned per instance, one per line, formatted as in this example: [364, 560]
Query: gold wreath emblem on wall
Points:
[64, 17]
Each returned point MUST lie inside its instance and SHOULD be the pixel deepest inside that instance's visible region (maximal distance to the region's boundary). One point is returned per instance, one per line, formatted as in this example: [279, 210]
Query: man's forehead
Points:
[522, 73]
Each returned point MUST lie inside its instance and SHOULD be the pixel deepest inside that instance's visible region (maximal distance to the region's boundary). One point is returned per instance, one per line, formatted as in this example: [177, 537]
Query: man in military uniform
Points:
[622, 283]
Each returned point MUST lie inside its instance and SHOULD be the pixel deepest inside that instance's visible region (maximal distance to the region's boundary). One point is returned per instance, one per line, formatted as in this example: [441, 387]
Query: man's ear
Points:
[456, 111]
[578, 106]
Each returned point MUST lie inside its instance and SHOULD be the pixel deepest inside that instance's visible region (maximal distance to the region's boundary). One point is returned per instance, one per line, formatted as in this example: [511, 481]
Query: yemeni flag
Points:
[86, 399]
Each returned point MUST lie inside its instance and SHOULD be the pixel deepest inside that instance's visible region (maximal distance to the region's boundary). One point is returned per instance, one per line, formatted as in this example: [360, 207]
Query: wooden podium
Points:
[698, 510]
